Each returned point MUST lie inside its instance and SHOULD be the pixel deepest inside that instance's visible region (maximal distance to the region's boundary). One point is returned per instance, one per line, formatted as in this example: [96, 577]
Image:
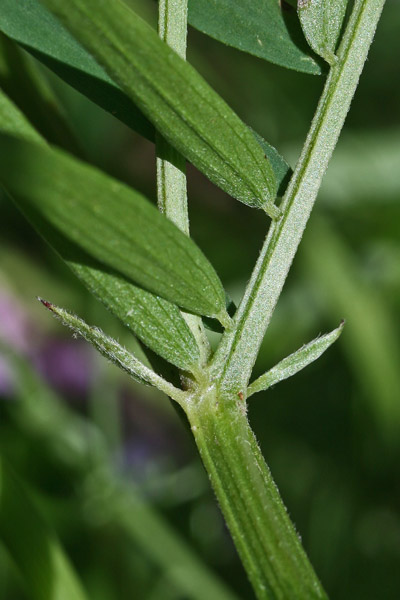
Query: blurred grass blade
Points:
[295, 362]
[73, 441]
[266, 28]
[13, 122]
[113, 351]
[322, 21]
[46, 571]
[32, 26]
[181, 105]
[25, 84]
[371, 344]
[113, 223]
[155, 321]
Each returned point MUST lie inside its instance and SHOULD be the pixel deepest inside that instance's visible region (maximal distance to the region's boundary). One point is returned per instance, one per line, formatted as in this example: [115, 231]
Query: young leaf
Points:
[113, 223]
[295, 362]
[266, 28]
[181, 105]
[115, 353]
[36, 30]
[322, 22]
[46, 571]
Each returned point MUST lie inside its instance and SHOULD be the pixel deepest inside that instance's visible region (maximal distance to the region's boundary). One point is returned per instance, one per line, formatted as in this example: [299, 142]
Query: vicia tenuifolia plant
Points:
[141, 262]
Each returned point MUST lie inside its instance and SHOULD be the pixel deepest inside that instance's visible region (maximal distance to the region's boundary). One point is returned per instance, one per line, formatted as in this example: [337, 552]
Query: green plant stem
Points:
[264, 536]
[239, 346]
[171, 166]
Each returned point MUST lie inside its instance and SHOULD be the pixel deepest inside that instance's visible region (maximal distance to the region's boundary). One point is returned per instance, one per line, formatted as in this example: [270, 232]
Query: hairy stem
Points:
[239, 347]
[171, 166]
[265, 538]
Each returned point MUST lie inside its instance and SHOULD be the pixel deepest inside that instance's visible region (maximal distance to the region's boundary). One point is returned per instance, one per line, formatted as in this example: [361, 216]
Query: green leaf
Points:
[266, 28]
[113, 351]
[112, 223]
[295, 362]
[155, 321]
[46, 571]
[181, 105]
[322, 22]
[36, 30]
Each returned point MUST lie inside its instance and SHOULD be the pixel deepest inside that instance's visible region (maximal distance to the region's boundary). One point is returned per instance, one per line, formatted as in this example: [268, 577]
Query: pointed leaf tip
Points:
[45, 303]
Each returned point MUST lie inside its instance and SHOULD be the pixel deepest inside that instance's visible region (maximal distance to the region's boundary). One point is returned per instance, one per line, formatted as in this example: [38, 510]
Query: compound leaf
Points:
[40, 33]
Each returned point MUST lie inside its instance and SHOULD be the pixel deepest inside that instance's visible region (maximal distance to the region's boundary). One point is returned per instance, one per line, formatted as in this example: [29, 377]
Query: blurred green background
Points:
[111, 465]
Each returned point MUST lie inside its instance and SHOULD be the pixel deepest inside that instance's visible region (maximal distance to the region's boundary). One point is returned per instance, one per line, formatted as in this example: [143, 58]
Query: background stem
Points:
[171, 166]
[239, 347]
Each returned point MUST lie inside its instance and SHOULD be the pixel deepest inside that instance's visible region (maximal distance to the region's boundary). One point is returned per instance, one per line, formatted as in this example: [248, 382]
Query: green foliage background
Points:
[331, 434]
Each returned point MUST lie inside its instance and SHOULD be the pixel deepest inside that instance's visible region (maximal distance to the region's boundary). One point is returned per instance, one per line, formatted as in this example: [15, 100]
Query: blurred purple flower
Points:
[15, 326]
[68, 365]
[137, 454]
[16, 332]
